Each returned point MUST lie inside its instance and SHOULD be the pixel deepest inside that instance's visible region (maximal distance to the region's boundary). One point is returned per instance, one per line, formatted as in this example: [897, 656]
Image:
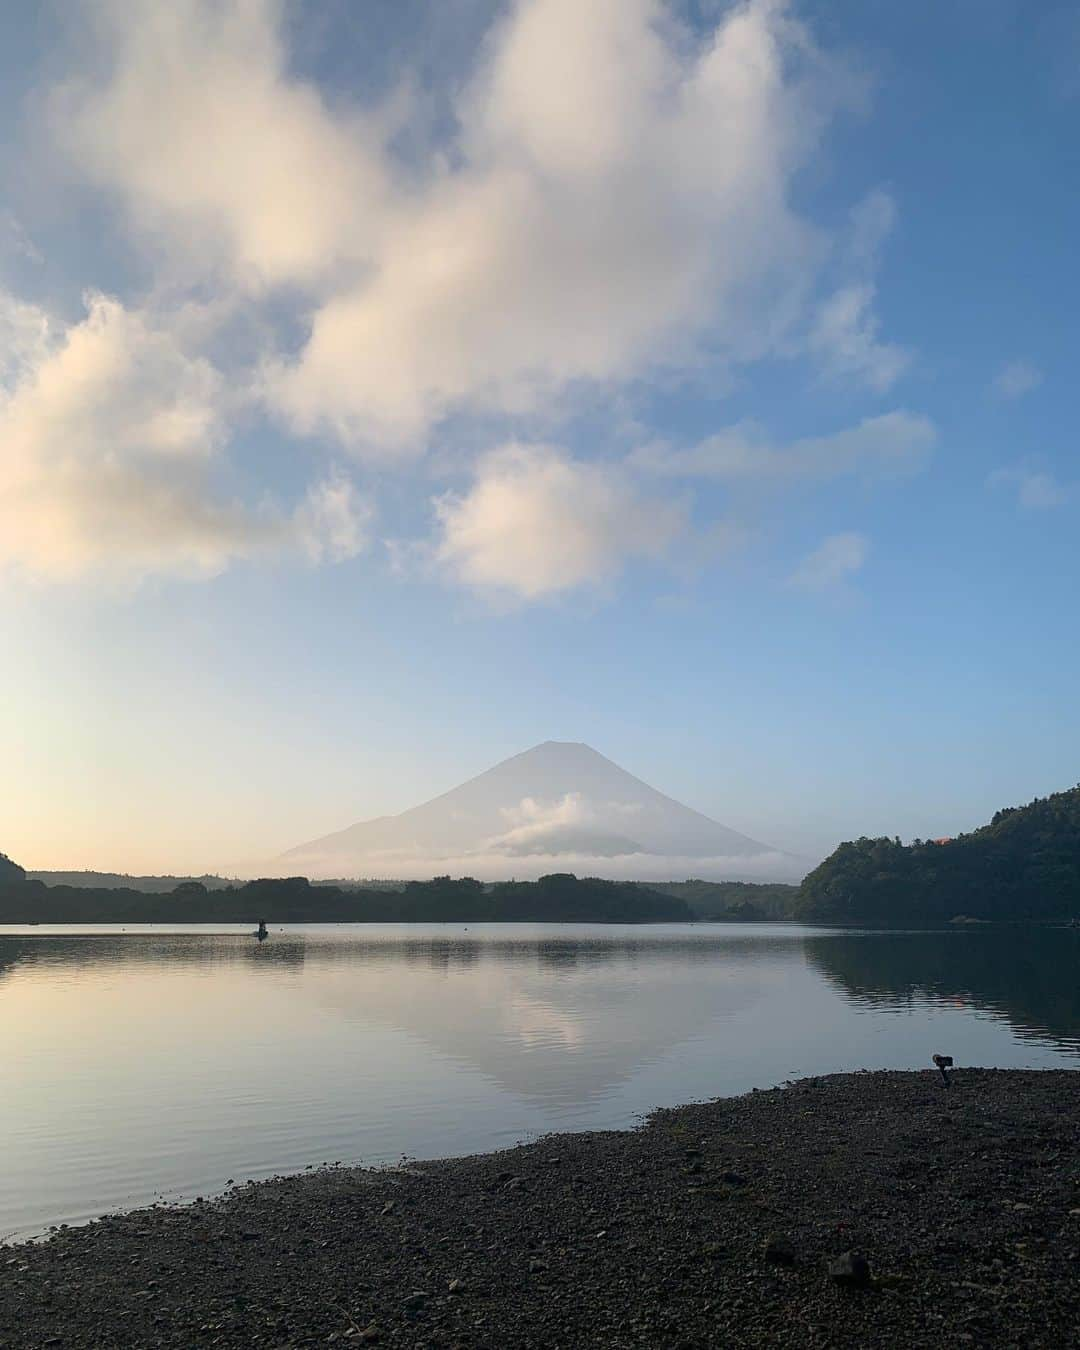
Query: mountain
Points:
[560, 806]
[1024, 865]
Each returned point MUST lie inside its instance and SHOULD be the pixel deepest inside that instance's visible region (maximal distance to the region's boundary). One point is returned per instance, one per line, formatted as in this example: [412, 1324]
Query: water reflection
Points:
[1029, 976]
[335, 945]
[168, 1061]
[556, 1019]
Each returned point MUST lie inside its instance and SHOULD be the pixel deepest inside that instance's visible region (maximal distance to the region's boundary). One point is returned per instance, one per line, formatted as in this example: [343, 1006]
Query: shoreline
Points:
[712, 1224]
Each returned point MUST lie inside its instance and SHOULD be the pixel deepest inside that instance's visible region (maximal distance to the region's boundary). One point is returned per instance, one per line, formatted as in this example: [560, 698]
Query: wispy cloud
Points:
[1036, 490]
[836, 560]
[894, 443]
[1017, 378]
[845, 335]
[15, 241]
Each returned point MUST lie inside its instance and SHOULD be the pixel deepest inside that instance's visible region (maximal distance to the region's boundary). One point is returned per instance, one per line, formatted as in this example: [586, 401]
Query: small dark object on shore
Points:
[850, 1269]
[944, 1063]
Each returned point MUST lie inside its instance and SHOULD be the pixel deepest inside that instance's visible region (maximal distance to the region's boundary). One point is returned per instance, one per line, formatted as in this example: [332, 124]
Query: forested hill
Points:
[1024, 865]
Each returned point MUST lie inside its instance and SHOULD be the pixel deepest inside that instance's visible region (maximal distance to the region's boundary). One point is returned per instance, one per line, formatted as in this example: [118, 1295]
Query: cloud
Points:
[844, 336]
[609, 200]
[25, 338]
[1017, 378]
[893, 443]
[332, 523]
[838, 558]
[615, 194]
[1036, 490]
[536, 522]
[561, 855]
[111, 433]
[15, 241]
[222, 159]
[572, 824]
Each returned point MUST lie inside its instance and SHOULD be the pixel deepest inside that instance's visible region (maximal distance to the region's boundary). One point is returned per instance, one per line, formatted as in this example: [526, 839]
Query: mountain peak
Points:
[567, 748]
[558, 806]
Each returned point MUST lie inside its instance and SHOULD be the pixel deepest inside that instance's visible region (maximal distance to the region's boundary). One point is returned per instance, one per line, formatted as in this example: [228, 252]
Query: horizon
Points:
[382, 393]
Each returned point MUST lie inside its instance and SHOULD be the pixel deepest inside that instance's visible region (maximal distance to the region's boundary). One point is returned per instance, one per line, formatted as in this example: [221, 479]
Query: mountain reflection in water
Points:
[156, 1061]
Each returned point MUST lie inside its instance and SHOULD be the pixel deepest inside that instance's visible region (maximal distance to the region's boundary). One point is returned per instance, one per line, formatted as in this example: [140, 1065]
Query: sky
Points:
[386, 388]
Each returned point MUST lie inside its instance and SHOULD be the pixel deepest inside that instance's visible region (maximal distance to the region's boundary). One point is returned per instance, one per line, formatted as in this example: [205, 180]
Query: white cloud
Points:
[219, 155]
[893, 443]
[536, 522]
[570, 824]
[1036, 490]
[614, 192]
[610, 201]
[110, 433]
[837, 559]
[1017, 379]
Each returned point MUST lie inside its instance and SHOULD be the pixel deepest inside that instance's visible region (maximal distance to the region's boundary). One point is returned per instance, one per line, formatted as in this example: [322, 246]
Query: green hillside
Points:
[1024, 865]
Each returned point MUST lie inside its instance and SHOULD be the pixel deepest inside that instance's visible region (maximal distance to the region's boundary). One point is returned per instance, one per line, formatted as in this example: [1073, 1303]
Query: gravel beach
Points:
[868, 1209]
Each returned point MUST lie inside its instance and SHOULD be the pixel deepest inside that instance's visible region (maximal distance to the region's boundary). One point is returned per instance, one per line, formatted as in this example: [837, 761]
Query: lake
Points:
[166, 1063]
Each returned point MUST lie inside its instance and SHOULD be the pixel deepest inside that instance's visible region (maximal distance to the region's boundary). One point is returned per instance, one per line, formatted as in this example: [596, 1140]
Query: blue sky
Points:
[389, 388]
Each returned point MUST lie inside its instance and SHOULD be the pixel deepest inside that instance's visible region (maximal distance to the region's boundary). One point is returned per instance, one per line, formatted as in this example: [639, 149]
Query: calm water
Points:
[160, 1062]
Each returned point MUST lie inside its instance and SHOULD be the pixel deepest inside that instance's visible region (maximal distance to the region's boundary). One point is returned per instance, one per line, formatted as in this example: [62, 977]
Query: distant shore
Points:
[857, 1209]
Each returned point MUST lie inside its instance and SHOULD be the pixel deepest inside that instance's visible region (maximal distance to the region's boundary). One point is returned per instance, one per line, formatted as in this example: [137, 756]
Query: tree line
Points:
[558, 898]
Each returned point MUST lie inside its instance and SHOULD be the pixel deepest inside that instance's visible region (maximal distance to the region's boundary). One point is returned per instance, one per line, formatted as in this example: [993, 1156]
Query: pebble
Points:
[850, 1268]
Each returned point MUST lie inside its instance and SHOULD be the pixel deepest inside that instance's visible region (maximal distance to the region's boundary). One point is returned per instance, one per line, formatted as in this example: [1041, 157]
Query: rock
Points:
[456, 1286]
[779, 1249]
[850, 1269]
[536, 1266]
[389, 1207]
[370, 1334]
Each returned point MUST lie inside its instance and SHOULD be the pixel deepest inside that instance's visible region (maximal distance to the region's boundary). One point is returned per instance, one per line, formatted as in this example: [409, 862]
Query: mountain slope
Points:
[556, 804]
